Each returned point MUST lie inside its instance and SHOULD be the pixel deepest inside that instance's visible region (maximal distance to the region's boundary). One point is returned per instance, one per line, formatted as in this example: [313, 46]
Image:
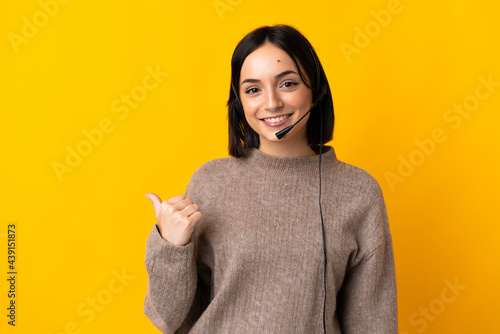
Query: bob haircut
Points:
[241, 135]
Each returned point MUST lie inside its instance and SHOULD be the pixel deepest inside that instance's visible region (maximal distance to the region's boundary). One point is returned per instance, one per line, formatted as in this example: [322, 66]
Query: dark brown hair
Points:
[241, 135]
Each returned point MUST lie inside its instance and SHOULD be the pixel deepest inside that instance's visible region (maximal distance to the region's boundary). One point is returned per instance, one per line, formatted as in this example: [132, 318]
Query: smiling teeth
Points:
[275, 119]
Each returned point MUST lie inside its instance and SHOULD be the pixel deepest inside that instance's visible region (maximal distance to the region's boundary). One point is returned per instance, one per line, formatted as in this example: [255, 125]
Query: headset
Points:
[320, 93]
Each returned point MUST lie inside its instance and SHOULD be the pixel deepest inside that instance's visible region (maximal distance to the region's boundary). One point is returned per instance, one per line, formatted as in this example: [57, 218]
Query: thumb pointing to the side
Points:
[156, 200]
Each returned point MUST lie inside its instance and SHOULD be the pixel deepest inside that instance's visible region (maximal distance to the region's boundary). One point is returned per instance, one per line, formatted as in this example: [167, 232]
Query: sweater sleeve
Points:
[367, 301]
[175, 297]
[171, 282]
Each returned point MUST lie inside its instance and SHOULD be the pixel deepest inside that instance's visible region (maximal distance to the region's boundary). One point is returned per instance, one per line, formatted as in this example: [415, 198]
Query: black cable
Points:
[320, 94]
[322, 224]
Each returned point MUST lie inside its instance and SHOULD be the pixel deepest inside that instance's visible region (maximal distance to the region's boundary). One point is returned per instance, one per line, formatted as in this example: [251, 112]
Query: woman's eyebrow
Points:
[277, 76]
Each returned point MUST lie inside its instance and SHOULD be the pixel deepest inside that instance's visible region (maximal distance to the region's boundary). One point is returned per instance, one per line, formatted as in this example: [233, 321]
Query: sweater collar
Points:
[290, 166]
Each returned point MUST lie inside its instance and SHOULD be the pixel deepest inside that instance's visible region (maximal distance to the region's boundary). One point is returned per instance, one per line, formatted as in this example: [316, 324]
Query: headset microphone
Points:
[280, 134]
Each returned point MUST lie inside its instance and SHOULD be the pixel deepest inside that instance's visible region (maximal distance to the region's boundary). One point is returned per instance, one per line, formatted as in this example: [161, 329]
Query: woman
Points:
[249, 249]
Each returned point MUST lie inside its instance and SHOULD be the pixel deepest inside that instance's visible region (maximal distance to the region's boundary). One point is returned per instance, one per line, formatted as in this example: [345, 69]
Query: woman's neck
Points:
[286, 149]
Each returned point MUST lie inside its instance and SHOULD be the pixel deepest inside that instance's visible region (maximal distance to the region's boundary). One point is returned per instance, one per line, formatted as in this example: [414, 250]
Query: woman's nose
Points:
[273, 100]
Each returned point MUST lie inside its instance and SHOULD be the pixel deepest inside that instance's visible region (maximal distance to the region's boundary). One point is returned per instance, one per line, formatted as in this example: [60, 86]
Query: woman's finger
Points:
[175, 199]
[195, 217]
[189, 210]
[156, 200]
[181, 205]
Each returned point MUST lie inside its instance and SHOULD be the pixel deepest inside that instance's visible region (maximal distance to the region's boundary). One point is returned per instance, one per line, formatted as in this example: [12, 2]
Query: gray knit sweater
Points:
[255, 261]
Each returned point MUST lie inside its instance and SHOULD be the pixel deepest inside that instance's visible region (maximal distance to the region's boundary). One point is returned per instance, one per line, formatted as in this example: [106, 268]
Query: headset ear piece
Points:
[323, 92]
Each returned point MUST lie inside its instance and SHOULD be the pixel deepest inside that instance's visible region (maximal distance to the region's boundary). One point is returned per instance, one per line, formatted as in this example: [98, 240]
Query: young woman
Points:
[282, 237]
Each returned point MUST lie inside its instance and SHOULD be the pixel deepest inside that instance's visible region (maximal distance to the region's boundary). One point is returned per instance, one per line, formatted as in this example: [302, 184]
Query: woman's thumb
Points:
[156, 200]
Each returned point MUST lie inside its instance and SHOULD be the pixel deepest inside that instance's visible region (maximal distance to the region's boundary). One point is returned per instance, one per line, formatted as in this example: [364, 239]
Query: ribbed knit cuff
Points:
[161, 249]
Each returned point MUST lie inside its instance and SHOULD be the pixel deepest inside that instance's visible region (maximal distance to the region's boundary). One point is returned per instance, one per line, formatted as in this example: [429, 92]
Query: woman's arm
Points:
[172, 286]
[175, 298]
[367, 301]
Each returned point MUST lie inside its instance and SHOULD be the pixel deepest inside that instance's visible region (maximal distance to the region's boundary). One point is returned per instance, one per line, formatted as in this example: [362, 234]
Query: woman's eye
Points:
[251, 90]
[289, 84]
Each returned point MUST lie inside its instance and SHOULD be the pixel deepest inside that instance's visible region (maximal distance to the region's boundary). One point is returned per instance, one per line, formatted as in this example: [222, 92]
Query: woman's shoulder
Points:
[357, 180]
[216, 166]
[361, 195]
[347, 174]
[212, 178]
[215, 170]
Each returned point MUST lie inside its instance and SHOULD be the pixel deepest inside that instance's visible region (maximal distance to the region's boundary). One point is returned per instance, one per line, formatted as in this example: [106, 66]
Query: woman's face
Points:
[274, 97]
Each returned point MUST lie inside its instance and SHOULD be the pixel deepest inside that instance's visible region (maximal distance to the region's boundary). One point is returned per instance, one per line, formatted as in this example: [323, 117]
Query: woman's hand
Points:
[176, 218]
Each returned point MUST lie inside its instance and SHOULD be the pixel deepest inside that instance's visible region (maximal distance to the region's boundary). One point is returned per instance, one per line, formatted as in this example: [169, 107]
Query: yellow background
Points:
[76, 232]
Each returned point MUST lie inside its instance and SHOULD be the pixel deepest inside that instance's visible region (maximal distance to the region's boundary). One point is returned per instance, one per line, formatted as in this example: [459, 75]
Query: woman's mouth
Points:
[277, 120]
